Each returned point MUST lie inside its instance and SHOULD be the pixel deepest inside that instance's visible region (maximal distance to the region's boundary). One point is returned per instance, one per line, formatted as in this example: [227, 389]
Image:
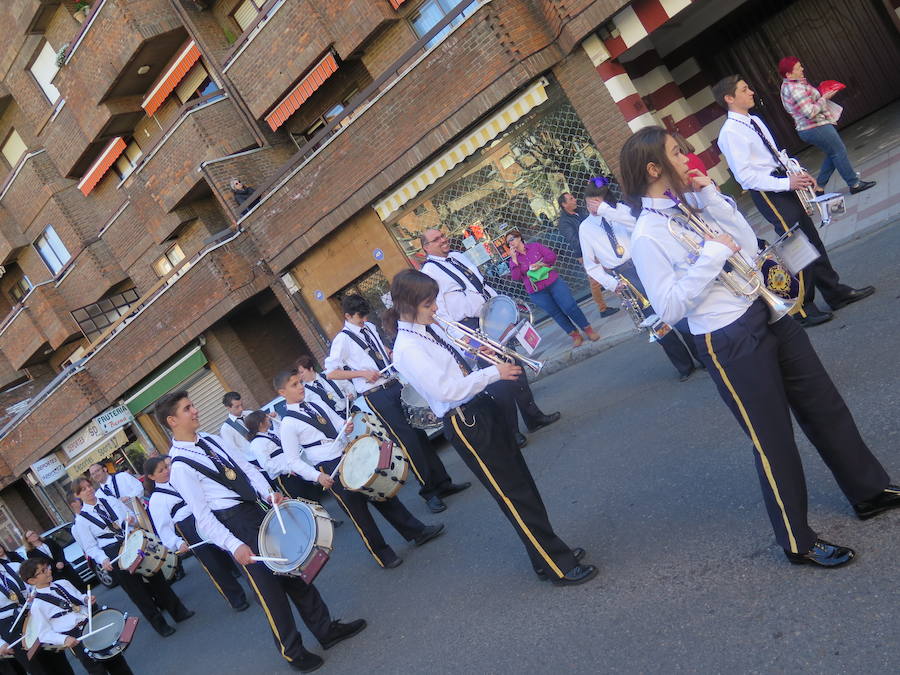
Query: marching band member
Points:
[13, 595]
[265, 447]
[473, 424]
[461, 294]
[359, 347]
[120, 485]
[335, 393]
[62, 614]
[759, 167]
[605, 237]
[222, 490]
[177, 529]
[763, 371]
[100, 528]
[309, 427]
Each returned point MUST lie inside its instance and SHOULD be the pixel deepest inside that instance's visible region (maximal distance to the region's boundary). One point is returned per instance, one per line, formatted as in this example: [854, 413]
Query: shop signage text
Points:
[114, 418]
[48, 470]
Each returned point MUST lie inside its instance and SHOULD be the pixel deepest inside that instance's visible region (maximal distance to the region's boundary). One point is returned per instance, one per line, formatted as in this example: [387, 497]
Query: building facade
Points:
[130, 269]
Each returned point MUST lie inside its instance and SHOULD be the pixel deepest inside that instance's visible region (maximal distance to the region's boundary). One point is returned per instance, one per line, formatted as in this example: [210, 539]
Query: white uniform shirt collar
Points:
[740, 117]
[657, 203]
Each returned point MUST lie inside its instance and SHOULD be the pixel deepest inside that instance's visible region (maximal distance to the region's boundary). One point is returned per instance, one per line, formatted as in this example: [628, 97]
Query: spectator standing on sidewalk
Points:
[570, 218]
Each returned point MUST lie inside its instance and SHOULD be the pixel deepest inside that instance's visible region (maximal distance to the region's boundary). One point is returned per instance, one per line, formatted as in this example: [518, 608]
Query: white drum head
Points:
[114, 623]
[361, 462]
[296, 543]
[30, 632]
[499, 317]
[412, 398]
[360, 425]
[130, 548]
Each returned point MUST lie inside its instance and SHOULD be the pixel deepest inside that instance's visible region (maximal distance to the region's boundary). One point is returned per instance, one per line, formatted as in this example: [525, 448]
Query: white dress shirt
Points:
[336, 391]
[204, 495]
[456, 303]
[304, 445]
[262, 447]
[345, 352]
[747, 156]
[9, 607]
[677, 288]
[234, 438]
[124, 483]
[52, 629]
[161, 506]
[599, 256]
[89, 534]
[433, 371]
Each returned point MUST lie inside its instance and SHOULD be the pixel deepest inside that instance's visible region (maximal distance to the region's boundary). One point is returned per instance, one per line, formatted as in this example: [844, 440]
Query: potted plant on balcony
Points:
[81, 10]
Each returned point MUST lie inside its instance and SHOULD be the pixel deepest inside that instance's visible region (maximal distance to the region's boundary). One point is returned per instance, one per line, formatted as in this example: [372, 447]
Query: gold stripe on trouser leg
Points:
[283, 488]
[756, 444]
[799, 308]
[355, 524]
[387, 426]
[509, 504]
[262, 601]
[208, 573]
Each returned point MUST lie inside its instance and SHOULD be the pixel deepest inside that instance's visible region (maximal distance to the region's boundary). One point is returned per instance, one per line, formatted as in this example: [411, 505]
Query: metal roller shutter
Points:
[206, 393]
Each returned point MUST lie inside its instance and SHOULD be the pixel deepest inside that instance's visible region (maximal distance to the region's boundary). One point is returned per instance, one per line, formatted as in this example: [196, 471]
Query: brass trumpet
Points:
[739, 275]
[488, 348]
[807, 194]
[636, 304]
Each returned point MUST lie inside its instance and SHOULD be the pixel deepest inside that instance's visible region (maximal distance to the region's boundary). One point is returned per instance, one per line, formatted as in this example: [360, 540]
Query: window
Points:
[245, 12]
[432, 11]
[195, 84]
[302, 139]
[19, 290]
[44, 70]
[93, 319]
[51, 250]
[166, 263]
[128, 160]
[13, 148]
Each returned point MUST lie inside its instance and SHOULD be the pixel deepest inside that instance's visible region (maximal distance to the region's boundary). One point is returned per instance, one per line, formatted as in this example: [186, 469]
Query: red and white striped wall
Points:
[619, 85]
[640, 18]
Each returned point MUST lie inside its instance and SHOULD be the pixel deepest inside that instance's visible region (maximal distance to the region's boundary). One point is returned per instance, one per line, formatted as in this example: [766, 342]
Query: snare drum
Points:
[306, 542]
[143, 553]
[112, 634]
[417, 410]
[30, 640]
[374, 467]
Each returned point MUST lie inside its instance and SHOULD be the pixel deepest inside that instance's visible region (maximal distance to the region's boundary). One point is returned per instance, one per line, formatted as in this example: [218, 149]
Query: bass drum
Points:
[500, 317]
[418, 412]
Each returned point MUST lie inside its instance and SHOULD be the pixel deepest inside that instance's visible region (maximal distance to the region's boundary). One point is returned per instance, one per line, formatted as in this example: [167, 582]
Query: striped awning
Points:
[166, 84]
[101, 165]
[396, 3]
[479, 137]
[298, 95]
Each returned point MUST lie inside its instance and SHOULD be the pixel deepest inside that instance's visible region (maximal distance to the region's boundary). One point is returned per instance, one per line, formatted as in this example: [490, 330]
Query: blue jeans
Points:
[557, 300]
[827, 139]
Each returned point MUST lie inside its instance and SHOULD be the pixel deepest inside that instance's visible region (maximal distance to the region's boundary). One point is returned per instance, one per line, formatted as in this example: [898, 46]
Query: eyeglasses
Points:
[436, 239]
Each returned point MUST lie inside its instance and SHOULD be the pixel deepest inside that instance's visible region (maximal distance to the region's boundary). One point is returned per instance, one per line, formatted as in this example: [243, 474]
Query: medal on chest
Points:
[229, 473]
[620, 250]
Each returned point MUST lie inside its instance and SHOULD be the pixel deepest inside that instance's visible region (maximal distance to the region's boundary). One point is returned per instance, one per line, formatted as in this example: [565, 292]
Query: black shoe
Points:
[861, 185]
[241, 607]
[395, 562]
[542, 420]
[822, 554]
[160, 626]
[684, 377]
[521, 441]
[811, 320]
[341, 631]
[577, 552]
[307, 663]
[887, 499]
[609, 311]
[453, 488]
[429, 533]
[435, 504]
[853, 296]
[183, 615]
[577, 575]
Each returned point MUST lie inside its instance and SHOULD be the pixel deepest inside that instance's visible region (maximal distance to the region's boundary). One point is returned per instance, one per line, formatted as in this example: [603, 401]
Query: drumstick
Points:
[90, 609]
[386, 368]
[278, 513]
[199, 543]
[94, 632]
[263, 558]
[13, 644]
[21, 613]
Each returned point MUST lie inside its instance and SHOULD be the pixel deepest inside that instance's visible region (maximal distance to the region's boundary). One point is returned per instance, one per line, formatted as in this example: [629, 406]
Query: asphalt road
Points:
[656, 481]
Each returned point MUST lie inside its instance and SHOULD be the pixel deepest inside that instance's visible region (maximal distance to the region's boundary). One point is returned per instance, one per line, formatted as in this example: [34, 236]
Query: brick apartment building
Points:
[129, 269]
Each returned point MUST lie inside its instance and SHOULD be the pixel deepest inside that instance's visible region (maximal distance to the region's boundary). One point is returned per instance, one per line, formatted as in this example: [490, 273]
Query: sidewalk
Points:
[874, 148]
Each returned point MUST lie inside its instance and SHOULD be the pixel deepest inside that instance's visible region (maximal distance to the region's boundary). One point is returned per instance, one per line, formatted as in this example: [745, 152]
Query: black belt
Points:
[778, 173]
[463, 408]
[386, 385]
[232, 511]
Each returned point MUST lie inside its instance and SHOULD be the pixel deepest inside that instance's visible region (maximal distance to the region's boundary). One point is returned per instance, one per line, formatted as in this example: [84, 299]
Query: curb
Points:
[557, 363]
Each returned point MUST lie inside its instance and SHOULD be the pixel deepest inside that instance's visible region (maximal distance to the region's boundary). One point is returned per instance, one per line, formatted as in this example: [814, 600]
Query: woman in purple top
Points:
[532, 264]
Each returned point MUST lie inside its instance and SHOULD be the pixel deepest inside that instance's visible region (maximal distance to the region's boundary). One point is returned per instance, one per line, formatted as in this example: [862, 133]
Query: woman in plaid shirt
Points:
[816, 124]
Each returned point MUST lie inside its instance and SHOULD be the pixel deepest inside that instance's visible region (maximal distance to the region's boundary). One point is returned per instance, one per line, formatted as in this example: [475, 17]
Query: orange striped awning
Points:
[101, 165]
[396, 3]
[164, 86]
[298, 95]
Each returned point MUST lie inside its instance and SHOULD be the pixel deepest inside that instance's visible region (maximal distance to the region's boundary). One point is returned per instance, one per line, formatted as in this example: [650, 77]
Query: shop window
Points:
[13, 148]
[128, 160]
[432, 11]
[19, 289]
[44, 70]
[166, 263]
[93, 319]
[245, 12]
[10, 532]
[52, 251]
[196, 84]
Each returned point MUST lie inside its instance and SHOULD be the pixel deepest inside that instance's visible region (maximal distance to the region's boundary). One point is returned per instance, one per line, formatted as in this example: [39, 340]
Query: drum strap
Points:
[171, 493]
[327, 428]
[241, 485]
[66, 604]
[101, 524]
[272, 437]
[369, 349]
[474, 281]
[115, 487]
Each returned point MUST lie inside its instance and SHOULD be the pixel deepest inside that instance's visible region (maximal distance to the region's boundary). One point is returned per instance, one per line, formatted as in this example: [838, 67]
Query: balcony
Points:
[11, 239]
[21, 339]
[32, 16]
[29, 186]
[206, 129]
[50, 313]
[89, 275]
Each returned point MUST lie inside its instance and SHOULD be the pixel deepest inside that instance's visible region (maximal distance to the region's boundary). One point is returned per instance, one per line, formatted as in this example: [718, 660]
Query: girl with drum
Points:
[61, 612]
[474, 425]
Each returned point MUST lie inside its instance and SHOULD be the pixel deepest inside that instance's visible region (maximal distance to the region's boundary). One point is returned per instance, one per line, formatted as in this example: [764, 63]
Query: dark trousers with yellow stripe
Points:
[218, 564]
[356, 505]
[764, 372]
[298, 488]
[426, 465]
[486, 443]
[277, 592]
[783, 210]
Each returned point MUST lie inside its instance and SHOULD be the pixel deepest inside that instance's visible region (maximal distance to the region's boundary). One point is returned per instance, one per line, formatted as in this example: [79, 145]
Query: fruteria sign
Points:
[114, 418]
